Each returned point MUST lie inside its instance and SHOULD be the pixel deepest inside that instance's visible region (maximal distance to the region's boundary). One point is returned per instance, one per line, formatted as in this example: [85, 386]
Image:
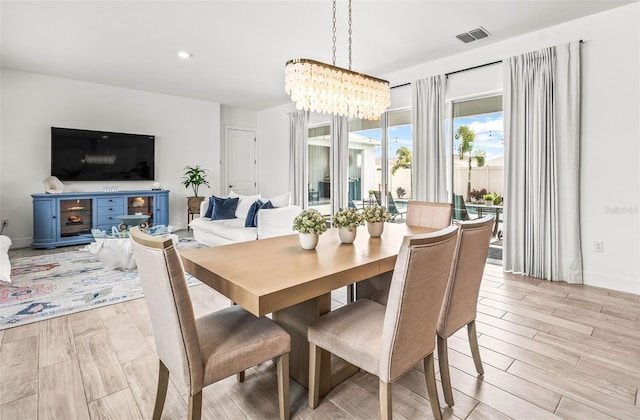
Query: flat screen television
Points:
[86, 155]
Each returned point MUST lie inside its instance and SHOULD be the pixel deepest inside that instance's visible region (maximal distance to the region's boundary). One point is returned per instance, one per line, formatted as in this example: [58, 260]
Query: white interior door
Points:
[241, 161]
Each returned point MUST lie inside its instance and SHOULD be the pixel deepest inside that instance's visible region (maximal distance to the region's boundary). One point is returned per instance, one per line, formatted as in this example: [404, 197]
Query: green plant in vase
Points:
[375, 216]
[193, 177]
[347, 221]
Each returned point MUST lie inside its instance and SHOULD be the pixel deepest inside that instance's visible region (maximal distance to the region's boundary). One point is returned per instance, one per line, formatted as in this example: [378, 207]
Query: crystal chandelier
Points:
[319, 87]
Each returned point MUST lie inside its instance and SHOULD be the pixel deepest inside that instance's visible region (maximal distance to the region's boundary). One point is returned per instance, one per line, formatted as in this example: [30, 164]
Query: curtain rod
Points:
[462, 70]
[457, 71]
[473, 68]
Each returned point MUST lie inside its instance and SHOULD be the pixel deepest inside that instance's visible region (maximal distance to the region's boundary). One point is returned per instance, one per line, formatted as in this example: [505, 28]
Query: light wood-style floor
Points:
[550, 350]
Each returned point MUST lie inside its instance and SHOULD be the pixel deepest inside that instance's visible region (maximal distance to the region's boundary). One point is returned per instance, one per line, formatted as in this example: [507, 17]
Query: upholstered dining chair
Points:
[388, 341]
[429, 214]
[204, 350]
[419, 213]
[460, 302]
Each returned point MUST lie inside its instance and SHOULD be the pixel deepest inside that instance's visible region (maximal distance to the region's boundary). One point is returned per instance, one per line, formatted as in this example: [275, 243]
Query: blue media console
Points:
[67, 218]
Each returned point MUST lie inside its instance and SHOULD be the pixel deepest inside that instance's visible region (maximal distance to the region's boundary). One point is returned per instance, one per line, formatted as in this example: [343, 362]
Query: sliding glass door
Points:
[380, 159]
[476, 142]
[319, 159]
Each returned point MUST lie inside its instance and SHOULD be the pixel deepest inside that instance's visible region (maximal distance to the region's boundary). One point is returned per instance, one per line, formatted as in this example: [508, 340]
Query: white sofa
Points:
[271, 222]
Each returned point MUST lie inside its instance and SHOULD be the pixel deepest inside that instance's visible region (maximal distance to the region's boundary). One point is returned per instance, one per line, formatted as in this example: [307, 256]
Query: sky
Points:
[487, 127]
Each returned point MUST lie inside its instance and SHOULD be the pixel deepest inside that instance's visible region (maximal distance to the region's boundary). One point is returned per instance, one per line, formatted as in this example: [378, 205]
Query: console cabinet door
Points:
[162, 209]
[45, 221]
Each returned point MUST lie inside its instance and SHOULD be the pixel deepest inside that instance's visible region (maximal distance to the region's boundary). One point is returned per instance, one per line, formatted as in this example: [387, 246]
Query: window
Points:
[477, 167]
[380, 155]
[400, 157]
[319, 187]
[365, 151]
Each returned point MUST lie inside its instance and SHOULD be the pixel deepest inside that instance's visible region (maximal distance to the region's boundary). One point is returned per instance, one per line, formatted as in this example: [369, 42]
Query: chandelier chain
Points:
[349, 34]
[334, 32]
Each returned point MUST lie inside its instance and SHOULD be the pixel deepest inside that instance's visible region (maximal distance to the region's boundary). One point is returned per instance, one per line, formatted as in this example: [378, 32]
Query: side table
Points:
[193, 208]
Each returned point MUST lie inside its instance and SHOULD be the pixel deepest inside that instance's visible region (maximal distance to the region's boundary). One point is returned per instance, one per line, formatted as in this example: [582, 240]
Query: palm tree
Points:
[467, 136]
[404, 156]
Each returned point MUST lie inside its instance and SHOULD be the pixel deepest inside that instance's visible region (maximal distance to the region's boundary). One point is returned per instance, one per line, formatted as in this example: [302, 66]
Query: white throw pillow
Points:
[283, 200]
[244, 203]
[5, 266]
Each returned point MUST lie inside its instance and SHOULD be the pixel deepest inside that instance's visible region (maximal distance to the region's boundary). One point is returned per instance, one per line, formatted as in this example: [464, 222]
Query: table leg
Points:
[495, 226]
[295, 320]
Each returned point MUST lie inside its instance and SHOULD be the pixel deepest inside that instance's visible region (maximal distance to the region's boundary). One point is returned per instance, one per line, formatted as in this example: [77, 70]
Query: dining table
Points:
[276, 276]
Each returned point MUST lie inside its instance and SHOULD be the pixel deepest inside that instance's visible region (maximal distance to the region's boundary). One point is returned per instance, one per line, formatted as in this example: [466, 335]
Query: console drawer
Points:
[113, 201]
[110, 220]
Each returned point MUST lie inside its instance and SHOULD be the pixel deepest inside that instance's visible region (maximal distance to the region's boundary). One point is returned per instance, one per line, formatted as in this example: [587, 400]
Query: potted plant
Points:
[401, 192]
[375, 216]
[310, 224]
[478, 195]
[193, 177]
[488, 199]
[497, 199]
[347, 221]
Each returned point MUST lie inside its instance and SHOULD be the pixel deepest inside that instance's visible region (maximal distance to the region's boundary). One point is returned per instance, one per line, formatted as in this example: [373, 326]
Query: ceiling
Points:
[240, 47]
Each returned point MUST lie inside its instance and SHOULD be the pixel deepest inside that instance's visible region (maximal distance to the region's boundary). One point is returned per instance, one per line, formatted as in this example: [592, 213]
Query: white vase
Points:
[308, 240]
[375, 229]
[347, 235]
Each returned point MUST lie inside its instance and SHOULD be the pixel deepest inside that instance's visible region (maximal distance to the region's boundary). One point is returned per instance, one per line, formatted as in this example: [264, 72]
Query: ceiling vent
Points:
[473, 35]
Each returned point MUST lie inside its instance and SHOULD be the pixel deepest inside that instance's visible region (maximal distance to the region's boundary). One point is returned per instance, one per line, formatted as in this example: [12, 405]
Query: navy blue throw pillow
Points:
[248, 222]
[266, 205]
[209, 211]
[224, 208]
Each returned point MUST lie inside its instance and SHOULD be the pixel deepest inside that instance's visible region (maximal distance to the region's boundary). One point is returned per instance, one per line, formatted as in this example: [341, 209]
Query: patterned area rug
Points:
[48, 286]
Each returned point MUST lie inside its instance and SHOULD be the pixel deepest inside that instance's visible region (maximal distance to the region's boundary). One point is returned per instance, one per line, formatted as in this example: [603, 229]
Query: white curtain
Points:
[339, 163]
[542, 164]
[429, 145]
[298, 178]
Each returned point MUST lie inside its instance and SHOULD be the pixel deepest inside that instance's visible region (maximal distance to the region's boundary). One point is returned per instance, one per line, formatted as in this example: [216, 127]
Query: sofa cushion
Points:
[224, 208]
[248, 221]
[264, 206]
[278, 201]
[229, 229]
[209, 211]
[244, 203]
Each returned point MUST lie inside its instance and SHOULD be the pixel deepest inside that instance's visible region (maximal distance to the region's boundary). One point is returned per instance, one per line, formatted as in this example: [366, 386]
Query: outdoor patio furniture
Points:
[391, 205]
[460, 211]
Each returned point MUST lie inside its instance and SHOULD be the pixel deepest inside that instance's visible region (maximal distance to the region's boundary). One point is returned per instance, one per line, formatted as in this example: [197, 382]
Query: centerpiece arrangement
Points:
[376, 216]
[310, 224]
[347, 222]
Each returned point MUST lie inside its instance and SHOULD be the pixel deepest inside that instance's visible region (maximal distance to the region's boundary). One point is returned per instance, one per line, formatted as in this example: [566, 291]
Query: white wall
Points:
[610, 175]
[187, 133]
[273, 150]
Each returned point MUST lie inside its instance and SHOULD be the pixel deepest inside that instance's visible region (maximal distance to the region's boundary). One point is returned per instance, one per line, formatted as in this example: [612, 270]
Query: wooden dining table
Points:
[276, 276]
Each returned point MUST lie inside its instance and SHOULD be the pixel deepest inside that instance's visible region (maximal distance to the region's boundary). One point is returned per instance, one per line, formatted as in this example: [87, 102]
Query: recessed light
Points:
[184, 55]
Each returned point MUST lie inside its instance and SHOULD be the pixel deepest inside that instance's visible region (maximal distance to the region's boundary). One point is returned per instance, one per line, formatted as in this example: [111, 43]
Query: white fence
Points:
[489, 177]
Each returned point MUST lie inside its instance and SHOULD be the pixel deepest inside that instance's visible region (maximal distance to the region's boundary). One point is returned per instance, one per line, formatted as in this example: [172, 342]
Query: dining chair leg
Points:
[432, 391]
[195, 406]
[161, 392]
[443, 362]
[282, 367]
[385, 400]
[314, 375]
[473, 343]
[240, 376]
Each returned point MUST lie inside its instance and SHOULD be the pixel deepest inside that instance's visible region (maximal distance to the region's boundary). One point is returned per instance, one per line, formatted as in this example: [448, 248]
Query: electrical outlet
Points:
[598, 246]
[5, 222]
